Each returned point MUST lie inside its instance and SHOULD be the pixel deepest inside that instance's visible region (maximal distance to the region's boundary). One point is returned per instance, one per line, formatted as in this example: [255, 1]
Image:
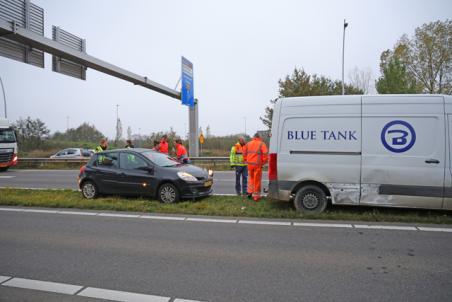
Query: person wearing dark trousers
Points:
[241, 169]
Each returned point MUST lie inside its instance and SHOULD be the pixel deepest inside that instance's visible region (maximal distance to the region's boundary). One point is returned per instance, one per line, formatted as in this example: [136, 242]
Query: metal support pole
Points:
[343, 55]
[4, 96]
[193, 129]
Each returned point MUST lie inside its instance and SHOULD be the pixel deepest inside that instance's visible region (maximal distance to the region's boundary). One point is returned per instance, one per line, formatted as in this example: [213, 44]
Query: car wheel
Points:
[89, 190]
[168, 193]
[4, 169]
[310, 199]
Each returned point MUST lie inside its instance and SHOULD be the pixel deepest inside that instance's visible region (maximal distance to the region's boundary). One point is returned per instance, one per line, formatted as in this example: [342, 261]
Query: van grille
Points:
[6, 157]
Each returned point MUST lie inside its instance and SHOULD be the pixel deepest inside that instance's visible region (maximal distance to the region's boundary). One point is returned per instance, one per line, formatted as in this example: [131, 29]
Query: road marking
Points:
[265, 222]
[163, 217]
[385, 227]
[4, 278]
[78, 213]
[243, 221]
[47, 286]
[428, 229]
[89, 292]
[41, 211]
[12, 210]
[118, 215]
[115, 295]
[7, 176]
[323, 225]
[212, 220]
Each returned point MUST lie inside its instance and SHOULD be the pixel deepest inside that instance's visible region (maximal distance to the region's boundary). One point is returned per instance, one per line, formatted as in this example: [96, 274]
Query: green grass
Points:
[215, 206]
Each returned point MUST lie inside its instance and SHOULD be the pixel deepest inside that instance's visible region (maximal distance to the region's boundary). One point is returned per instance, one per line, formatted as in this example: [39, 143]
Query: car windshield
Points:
[160, 159]
[7, 136]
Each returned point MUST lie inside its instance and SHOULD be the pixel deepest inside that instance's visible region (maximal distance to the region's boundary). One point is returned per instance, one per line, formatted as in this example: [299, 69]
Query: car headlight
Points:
[186, 176]
[210, 173]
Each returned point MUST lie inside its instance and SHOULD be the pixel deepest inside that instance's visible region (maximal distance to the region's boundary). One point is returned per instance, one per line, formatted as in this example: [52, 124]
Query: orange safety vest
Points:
[163, 147]
[181, 152]
[255, 153]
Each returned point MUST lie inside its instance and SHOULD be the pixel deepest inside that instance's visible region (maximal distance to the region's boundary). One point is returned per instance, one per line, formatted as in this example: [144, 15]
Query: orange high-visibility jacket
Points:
[255, 153]
[181, 152]
[163, 147]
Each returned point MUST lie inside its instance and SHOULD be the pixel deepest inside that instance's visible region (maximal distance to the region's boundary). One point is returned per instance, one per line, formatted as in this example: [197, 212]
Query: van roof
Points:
[353, 99]
[4, 123]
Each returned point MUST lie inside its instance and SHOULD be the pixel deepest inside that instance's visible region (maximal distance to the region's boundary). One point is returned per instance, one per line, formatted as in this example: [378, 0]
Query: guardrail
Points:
[74, 162]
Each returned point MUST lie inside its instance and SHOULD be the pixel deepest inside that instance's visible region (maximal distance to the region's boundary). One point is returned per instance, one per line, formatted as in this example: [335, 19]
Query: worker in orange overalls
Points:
[255, 154]
[163, 146]
[181, 152]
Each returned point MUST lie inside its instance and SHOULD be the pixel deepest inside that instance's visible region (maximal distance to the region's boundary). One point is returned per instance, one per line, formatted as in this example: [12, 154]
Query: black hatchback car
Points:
[143, 172]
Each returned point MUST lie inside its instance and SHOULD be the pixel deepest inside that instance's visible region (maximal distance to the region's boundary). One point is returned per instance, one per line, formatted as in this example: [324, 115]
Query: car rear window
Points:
[107, 160]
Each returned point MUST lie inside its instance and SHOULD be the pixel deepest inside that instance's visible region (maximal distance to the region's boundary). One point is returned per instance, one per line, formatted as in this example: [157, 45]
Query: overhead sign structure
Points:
[63, 65]
[187, 90]
[27, 15]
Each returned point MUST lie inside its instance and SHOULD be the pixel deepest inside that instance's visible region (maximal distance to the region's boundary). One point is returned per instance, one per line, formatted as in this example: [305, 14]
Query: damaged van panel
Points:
[370, 194]
[344, 193]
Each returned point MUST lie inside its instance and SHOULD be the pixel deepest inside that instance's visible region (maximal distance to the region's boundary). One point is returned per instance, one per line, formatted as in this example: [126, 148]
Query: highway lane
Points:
[224, 181]
[225, 262]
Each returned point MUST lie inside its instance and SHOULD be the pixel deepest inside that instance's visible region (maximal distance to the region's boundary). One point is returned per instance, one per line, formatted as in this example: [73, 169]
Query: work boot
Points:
[249, 195]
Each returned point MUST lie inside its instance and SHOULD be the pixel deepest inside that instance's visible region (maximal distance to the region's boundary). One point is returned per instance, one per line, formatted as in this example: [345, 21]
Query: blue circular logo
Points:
[398, 136]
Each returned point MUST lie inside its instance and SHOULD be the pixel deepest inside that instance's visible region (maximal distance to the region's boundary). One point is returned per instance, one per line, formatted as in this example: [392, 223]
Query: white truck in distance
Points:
[383, 150]
[8, 146]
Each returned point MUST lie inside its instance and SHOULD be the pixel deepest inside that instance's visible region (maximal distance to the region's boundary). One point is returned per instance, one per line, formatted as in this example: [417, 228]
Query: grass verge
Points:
[215, 206]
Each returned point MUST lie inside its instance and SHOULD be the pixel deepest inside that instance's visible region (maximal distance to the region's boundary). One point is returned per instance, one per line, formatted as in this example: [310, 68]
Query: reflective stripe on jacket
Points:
[255, 152]
[236, 156]
[98, 149]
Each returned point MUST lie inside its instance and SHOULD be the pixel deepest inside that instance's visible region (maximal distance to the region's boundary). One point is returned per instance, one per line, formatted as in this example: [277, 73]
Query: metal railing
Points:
[211, 161]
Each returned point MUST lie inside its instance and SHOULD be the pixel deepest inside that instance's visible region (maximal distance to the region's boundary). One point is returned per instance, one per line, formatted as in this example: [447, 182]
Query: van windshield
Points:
[7, 136]
[160, 159]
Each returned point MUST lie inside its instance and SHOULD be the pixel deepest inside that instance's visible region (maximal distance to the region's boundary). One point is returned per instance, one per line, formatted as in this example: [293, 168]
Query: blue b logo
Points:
[398, 136]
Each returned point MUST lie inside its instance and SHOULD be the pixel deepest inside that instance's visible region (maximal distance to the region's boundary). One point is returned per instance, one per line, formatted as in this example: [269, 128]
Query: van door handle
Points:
[432, 161]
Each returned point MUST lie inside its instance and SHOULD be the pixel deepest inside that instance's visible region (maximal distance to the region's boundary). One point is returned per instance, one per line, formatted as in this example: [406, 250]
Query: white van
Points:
[8, 146]
[382, 150]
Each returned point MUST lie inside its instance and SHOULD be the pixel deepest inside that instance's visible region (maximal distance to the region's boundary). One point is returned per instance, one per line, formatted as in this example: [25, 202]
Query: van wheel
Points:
[168, 193]
[310, 199]
[89, 190]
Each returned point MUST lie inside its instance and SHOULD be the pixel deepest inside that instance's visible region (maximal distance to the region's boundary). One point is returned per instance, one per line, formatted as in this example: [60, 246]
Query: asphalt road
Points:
[223, 262]
[224, 181]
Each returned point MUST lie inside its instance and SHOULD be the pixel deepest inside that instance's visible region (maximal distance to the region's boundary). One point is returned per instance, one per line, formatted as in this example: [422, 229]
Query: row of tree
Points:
[420, 64]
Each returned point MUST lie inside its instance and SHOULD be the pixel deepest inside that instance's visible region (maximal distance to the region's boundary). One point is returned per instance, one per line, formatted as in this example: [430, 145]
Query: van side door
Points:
[448, 180]
[403, 153]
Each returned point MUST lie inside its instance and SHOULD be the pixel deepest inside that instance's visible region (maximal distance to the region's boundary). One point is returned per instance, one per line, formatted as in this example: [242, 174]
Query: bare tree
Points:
[361, 79]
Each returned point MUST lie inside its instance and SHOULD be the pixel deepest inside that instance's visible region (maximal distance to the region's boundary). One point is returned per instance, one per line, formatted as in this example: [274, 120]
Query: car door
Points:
[403, 151]
[106, 172]
[136, 175]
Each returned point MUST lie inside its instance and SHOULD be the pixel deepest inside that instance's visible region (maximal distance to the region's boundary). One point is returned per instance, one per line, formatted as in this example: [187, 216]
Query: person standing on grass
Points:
[239, 165]
[255, 154]
[129, 144]
[103, 145]
[163, 146]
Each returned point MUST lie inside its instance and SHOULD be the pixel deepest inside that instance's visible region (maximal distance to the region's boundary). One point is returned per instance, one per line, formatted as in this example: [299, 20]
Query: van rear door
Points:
[403, 151]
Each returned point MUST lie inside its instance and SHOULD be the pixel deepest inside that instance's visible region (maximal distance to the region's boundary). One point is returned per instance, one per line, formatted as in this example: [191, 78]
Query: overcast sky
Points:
[240, 49]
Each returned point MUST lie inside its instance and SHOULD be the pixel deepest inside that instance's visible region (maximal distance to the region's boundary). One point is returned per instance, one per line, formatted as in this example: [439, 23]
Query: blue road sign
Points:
[187, 91]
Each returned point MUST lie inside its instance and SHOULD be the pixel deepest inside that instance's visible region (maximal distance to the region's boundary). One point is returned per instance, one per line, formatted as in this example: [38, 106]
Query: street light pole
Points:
[343, 52]
[4, 96]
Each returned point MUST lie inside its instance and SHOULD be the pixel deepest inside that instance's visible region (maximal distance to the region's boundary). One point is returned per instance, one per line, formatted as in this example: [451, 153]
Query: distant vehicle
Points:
[75, 153]
[143, 172]
[383, 150]
[8, 146]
